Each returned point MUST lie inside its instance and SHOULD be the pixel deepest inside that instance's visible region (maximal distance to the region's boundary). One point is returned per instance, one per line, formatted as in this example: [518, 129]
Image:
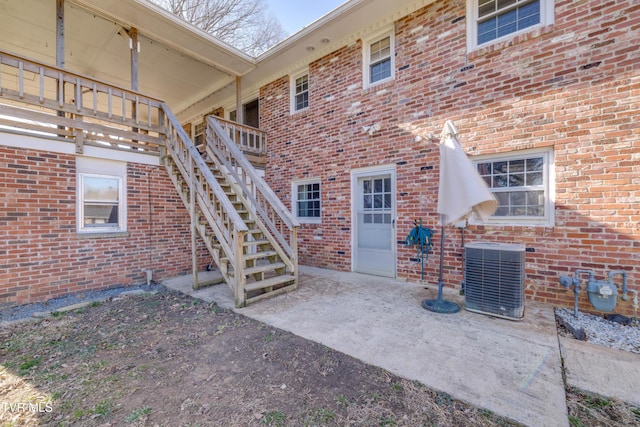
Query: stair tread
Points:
[254, 256]
[266, 283]
[255, 242]
[263, 268]
[259, 255]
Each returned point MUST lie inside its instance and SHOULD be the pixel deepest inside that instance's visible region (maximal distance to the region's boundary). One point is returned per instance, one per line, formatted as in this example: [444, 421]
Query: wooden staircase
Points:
[251, 235]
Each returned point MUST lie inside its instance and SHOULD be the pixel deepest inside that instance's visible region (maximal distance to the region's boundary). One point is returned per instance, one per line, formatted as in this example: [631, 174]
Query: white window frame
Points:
[548, 186]
[198, 132]
[294, 94]
[99, 168]
[546, 18]
[366, 56]
[294, 200]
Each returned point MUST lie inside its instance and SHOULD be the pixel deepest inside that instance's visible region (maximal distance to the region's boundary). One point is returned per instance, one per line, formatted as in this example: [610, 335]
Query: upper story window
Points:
[522, 184]
[101, 196]
[306, 200]
[299, 91]
[198, 133]
[379, 58]
[498, 19]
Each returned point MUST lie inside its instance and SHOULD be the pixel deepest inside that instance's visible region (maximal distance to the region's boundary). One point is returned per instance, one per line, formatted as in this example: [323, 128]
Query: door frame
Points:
[389, 169]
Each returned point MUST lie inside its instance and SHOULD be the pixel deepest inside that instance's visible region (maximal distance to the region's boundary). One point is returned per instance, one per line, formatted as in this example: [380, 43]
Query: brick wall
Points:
[42, 256]
[573, 86]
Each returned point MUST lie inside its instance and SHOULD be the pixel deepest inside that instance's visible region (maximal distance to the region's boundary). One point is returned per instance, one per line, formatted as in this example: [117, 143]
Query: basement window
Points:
[306, 201]
[378, 58]
[522, 185]
[101, 196]
[495, 20]
[299, 91]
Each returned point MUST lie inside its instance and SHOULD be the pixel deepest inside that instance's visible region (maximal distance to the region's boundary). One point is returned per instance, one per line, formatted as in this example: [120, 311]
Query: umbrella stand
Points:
[439, 305]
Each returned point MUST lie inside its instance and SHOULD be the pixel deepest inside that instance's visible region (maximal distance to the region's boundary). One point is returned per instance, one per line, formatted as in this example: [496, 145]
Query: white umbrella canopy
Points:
[462, 190]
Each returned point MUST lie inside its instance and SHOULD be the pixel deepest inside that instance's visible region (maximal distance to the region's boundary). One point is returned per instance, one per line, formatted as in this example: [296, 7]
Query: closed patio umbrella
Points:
[461, 191]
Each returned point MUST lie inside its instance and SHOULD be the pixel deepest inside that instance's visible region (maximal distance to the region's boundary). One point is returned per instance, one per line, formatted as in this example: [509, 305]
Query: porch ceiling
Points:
[177, 63]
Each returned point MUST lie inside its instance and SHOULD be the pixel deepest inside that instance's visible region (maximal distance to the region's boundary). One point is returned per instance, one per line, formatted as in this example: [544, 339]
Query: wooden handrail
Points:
[216, 190]
[233, 149]
[249, 139]
[7, 58]
[34, 96]
[260, 196]
[221, 216]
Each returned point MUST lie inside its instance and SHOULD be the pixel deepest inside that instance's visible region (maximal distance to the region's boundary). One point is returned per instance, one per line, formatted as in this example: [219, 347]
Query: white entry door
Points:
[374, 234]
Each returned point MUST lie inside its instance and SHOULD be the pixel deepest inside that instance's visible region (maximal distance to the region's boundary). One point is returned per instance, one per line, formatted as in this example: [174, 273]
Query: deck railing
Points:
[41, 100]
[251, 140]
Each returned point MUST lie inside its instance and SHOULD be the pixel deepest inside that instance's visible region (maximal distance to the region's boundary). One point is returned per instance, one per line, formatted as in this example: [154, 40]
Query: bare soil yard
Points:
[170, 360]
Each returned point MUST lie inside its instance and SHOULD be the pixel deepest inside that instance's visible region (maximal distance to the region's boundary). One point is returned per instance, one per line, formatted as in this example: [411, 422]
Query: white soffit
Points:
[162, 26]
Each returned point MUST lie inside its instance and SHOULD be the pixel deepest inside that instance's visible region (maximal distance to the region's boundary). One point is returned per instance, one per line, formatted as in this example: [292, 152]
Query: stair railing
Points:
[282, 226]
[227, 225]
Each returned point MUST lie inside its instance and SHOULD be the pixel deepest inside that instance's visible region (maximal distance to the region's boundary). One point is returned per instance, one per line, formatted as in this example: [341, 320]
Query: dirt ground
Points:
[169, 360]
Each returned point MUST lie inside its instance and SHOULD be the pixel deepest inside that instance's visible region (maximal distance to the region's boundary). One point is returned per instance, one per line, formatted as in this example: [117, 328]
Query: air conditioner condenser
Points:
[494, 279]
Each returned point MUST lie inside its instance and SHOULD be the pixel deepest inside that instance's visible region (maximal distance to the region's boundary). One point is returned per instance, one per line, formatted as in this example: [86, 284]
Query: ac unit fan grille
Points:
[494, 279]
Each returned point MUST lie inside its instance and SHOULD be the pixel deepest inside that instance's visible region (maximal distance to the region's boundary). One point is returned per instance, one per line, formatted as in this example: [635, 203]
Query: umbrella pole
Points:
[439, 305]
[422, 244]
[440, 281]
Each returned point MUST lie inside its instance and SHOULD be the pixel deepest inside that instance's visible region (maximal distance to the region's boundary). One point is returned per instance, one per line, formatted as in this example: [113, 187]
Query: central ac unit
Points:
[494, 279]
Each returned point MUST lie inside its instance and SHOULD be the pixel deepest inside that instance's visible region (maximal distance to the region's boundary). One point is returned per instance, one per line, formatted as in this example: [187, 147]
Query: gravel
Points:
[21, 312]
[599, 330]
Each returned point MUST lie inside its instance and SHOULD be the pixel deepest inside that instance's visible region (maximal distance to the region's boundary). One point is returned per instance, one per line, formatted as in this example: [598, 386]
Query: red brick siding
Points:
[42, 256]
[573, 86]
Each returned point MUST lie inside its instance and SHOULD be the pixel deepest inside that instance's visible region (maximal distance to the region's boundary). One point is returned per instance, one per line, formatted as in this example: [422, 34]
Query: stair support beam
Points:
[239, 276]
[194, 224]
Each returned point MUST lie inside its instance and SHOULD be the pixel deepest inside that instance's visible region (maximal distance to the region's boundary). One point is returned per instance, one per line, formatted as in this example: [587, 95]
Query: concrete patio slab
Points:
[220, 292]
[511, 368]
[601, 370]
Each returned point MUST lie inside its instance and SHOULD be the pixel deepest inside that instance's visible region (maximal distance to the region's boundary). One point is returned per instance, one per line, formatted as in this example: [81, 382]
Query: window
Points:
[522, 186]
[379, 59]
[376, 200]
[306, 200]
[299, 91]
[101, 196]
[198, 133]
[495, 19]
